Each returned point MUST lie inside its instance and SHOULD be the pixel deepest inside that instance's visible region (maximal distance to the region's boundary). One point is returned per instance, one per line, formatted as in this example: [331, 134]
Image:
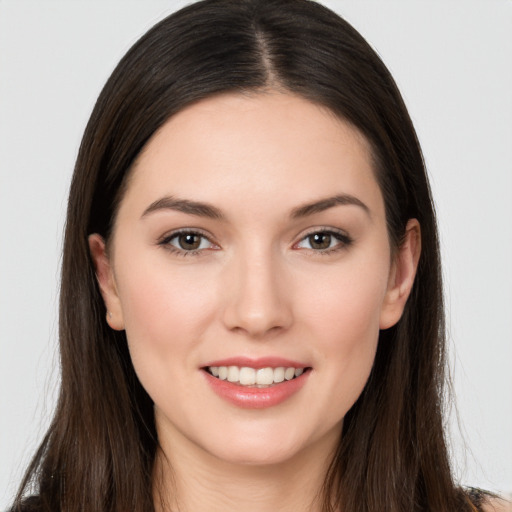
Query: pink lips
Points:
[253, 397]
[260, 362]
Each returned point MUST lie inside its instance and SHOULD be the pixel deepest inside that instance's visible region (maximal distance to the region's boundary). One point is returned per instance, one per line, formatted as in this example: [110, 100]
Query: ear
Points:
[106, 282]
[402, 274]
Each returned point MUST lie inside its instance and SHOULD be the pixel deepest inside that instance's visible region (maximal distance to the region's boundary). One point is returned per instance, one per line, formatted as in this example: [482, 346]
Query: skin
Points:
[256, 287]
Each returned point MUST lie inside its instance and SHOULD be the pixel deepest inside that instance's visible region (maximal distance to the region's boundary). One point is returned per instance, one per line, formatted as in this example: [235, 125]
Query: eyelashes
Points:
[324, 241]
[190, 242]
[187, 242]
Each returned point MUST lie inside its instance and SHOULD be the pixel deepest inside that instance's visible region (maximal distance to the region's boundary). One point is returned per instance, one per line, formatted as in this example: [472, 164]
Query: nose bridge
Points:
[256, 301]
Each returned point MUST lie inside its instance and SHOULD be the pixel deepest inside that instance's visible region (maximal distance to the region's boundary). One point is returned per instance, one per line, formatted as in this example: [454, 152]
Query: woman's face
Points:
[251, 244]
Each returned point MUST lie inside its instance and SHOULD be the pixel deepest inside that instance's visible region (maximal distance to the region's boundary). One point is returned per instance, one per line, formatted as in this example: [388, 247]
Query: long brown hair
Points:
[99, 451]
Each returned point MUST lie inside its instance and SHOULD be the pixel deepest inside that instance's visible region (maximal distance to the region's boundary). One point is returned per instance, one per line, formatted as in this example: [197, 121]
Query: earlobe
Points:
[402, 275]
[106, 281]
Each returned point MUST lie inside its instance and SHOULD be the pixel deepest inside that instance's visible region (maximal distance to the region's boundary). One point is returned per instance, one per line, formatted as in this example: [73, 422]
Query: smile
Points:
[283, 383]
[257, 377]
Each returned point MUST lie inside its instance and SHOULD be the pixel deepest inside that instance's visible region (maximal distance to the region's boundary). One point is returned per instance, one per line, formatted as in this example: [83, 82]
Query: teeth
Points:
[265, 376]
[289, 373]
[246, 376]
[279, 374]
[233, 373]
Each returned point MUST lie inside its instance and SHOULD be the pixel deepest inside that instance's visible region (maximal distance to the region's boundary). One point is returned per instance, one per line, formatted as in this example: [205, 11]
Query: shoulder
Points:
[485, 501]
[496, 504]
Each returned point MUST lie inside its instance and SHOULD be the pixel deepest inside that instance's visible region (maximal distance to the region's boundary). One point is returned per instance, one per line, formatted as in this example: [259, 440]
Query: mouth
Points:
[258, 383]
[246, 376]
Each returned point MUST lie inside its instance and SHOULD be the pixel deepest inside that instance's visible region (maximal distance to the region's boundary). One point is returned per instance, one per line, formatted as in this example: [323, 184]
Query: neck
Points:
[188, 479]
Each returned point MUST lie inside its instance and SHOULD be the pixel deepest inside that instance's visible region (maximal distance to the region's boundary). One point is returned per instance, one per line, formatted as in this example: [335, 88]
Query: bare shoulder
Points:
[497, 504]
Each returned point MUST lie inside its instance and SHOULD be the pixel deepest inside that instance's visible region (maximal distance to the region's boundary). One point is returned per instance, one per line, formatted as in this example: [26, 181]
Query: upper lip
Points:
[260, 362]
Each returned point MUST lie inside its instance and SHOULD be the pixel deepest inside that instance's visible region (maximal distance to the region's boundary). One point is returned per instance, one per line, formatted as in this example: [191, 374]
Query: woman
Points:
[251, 307]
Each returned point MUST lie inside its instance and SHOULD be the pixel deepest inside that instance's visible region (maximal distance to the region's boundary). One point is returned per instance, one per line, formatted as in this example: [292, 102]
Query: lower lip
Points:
[256, 398]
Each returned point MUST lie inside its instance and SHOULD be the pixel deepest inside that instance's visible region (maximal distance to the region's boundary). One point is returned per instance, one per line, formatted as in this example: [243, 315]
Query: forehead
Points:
[235, 148]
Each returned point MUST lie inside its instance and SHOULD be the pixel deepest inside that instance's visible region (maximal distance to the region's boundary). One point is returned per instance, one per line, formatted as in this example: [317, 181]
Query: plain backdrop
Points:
[453, 63]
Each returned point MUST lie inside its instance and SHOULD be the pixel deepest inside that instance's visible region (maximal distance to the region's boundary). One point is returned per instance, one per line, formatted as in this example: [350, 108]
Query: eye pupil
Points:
[189, 241]
[320, 241]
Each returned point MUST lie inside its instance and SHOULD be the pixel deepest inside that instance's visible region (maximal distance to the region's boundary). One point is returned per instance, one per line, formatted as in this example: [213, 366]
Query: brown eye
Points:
[320, 241]
[325, 241]
[189, 241]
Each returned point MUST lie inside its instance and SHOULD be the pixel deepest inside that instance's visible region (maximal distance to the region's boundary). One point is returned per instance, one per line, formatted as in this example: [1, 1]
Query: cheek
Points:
[350, 335]
[347, 301]
[342, 313]
[166, 311]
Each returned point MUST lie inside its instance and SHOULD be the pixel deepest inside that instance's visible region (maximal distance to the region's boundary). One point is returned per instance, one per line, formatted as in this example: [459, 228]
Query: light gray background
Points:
[453, 63]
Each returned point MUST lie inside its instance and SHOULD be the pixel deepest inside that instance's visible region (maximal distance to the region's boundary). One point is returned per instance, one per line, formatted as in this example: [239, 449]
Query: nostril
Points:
[255, 302]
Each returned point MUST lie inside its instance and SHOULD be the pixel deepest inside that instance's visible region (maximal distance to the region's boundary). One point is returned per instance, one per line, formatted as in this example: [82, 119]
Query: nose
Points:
[257, 299]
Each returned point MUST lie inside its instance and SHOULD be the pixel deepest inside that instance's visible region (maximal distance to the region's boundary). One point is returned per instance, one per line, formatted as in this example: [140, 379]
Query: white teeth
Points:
[279, 374]
[265, 376]
[247, 376]
[233, 373]
[289, 373]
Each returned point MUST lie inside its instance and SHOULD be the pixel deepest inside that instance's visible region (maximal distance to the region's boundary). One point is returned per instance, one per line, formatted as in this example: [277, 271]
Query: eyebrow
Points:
[329, 202]
[184, 206]
[207, 210]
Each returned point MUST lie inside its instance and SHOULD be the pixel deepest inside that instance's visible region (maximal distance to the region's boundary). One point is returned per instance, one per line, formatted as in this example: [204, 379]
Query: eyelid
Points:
[164, 240]
[342, 236]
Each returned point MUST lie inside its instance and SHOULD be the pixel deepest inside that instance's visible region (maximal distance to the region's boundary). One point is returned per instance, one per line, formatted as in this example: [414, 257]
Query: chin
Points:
[252, 455]
[267, 445]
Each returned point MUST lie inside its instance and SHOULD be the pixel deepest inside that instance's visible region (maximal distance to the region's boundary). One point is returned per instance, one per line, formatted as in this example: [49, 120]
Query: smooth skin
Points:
[218, 252]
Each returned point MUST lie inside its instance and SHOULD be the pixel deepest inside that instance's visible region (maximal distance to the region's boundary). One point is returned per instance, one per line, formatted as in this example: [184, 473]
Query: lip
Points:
[253, 397]
[260, 362]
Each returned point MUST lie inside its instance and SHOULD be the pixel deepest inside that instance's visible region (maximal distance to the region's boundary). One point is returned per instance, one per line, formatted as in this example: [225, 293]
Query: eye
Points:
[187, 242]
[324, 241]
